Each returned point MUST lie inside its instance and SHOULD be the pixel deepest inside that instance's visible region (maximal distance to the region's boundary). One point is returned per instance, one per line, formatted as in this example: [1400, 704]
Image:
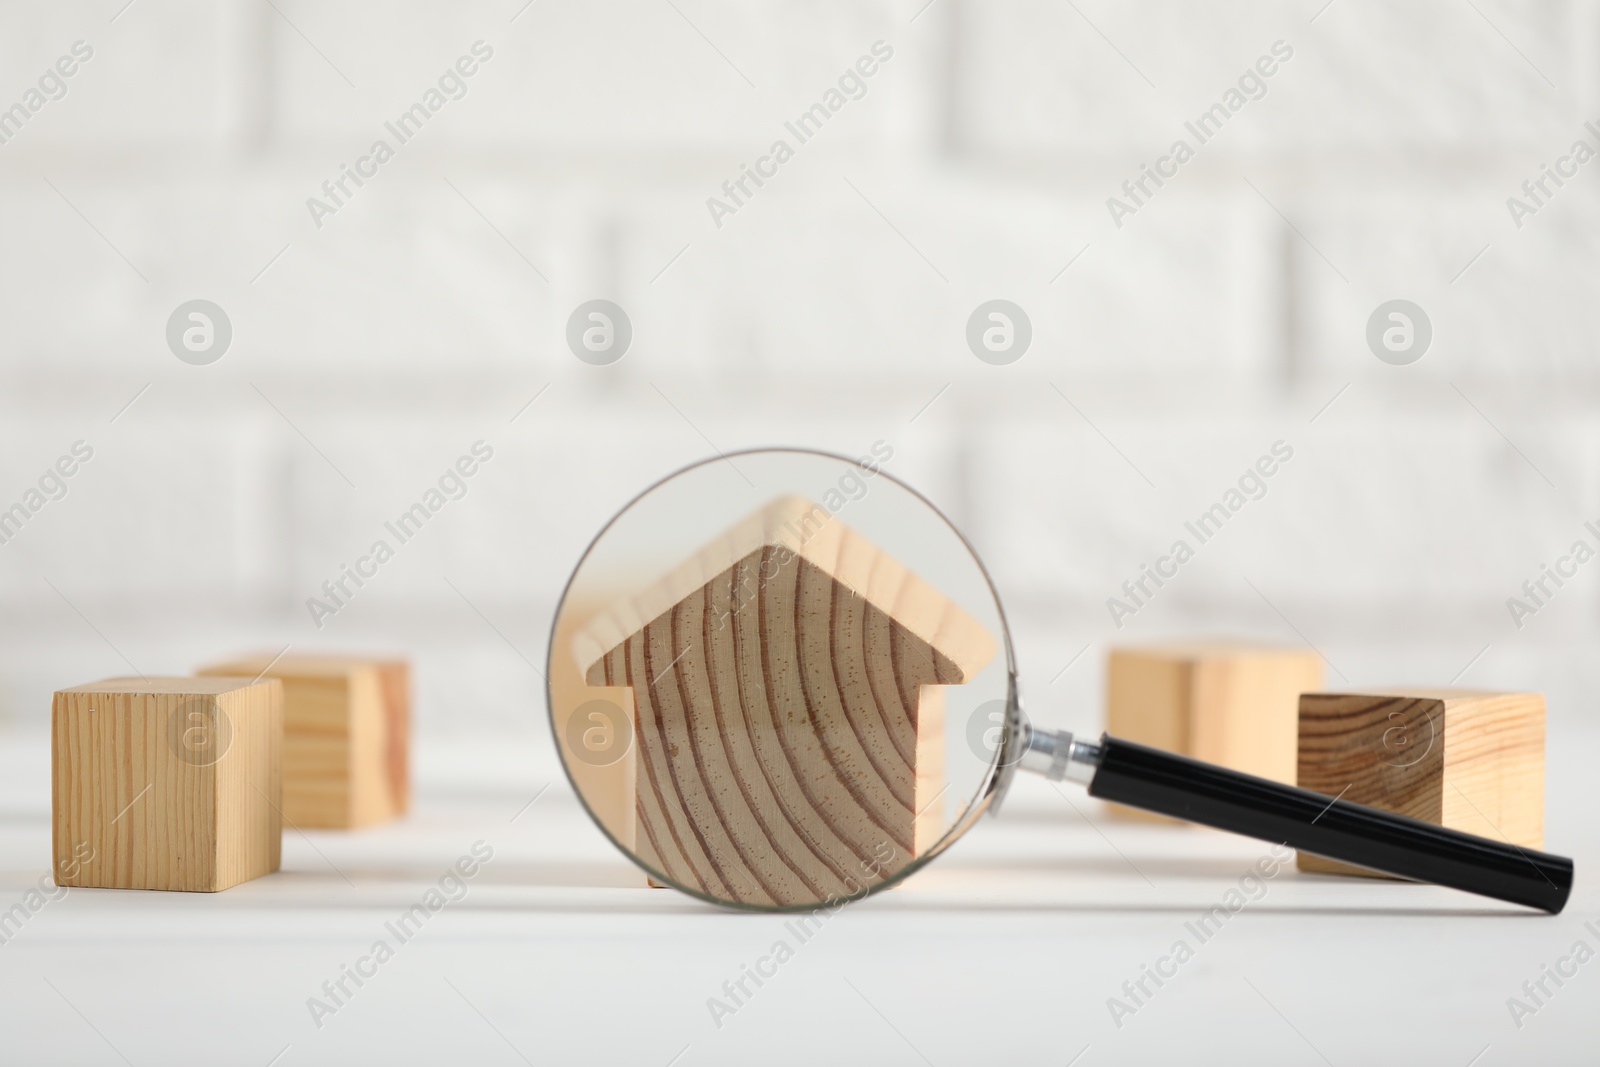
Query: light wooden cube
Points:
[1465, 759]
[1229, 703]
[346, 736]
[166, 783]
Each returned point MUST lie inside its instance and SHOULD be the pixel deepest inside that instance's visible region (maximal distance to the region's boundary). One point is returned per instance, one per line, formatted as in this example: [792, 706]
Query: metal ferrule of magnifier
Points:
[1059, 756]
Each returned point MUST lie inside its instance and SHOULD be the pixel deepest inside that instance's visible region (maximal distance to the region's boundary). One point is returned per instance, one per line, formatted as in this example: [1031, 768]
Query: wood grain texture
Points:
[138, 802]
[1469, 760]
[346, 735]
[1229, 703]
[786, 740]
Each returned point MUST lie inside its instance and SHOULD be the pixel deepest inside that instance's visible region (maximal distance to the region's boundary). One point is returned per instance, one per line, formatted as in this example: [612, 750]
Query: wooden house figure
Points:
[788, 728]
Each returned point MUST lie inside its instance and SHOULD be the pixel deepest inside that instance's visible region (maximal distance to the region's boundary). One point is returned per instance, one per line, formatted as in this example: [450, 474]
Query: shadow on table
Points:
[596, 875]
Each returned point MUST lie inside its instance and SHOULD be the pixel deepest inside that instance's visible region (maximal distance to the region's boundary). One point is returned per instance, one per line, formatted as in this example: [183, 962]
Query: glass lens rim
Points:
[992, 775]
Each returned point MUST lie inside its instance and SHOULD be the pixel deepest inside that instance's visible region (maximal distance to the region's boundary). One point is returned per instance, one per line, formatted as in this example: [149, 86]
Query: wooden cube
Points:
[346, 735]
[1461, 758]
[1229, 703]
[166, 783]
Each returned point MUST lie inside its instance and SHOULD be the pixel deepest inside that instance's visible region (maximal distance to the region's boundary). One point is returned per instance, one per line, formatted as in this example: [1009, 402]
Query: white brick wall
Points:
[1221, 317]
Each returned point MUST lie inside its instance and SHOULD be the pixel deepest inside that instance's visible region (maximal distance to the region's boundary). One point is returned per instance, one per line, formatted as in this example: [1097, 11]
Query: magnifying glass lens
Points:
[779, 679]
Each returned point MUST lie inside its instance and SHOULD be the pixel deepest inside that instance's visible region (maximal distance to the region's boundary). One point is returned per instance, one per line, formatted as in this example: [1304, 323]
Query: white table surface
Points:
[1007, 948]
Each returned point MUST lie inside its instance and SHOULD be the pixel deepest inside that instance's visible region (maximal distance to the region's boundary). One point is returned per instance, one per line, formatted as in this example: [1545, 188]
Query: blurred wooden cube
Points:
[1229, 703]
[346, 735]
[1465, 759]
[166, 783]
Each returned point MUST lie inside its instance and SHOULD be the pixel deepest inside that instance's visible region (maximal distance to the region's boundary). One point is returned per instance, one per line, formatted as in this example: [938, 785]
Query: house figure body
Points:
[787, 721]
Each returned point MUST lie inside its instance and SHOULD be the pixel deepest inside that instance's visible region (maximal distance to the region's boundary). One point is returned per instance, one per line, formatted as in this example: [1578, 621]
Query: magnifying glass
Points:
[780, 679]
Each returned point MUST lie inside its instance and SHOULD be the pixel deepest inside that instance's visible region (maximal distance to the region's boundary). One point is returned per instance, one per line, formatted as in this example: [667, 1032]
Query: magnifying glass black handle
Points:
[1148, 778]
